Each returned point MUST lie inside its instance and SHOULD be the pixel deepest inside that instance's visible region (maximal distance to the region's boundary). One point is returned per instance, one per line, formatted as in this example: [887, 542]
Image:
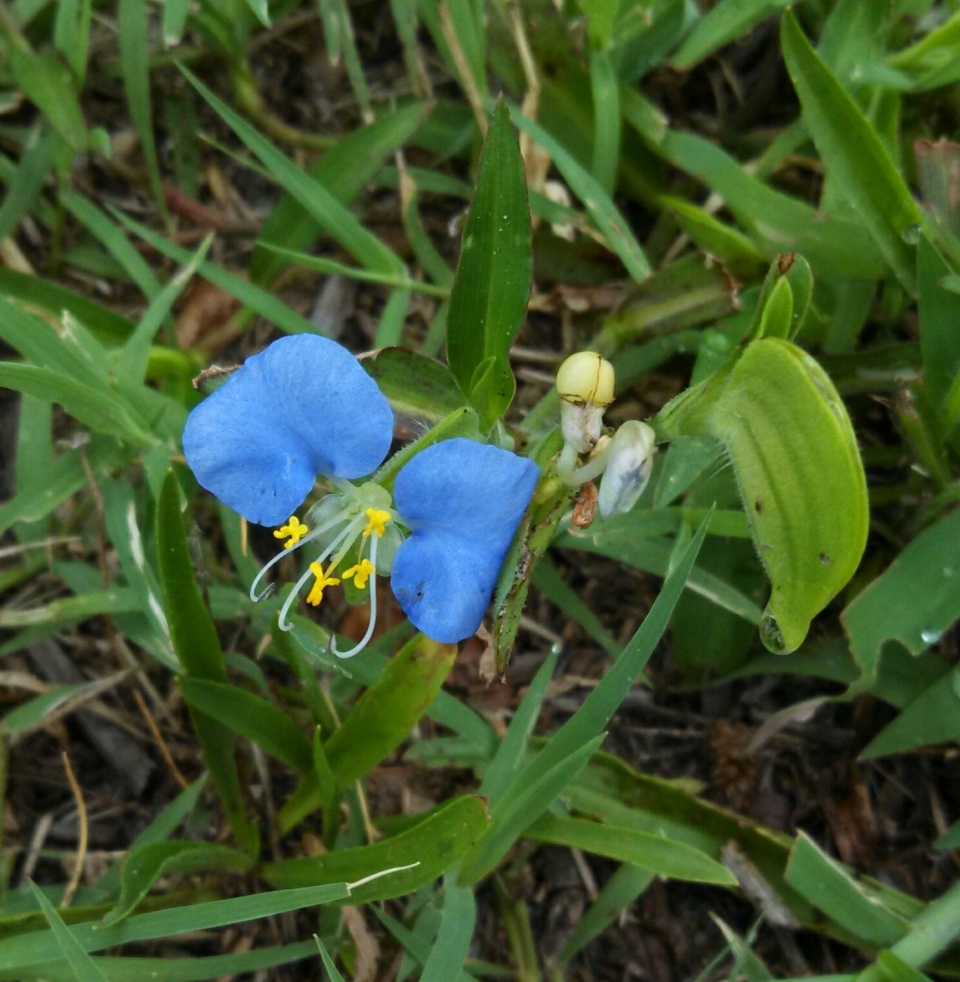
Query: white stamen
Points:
[365, 640]
[354, 528]
[254, 596]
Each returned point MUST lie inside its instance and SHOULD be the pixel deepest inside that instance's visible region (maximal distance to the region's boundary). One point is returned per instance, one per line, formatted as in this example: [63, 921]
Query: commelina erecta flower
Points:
[305, 407]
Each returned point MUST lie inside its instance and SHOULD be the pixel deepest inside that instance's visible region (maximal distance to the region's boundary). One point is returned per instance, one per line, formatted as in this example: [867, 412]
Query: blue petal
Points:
[303, 406]
[463, 502]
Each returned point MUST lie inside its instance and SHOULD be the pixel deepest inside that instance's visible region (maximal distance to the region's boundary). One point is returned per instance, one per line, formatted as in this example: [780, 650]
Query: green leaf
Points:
[183, 969]
[81, 964]
[63, 478]
[546, 578]
[417, 386]
[915, 600]
[174, 19]
[833, 889]
[434, 844]
[798, 468]
[489, 295]
[939, 314]
[386, 712]
[897, 970]
[564, 755]
[511, 753]
[853, 153]
[606, 117]
[252, 717]
[146, 864]
[325, 209]
[120, 515]
[254, 297]
[618, 893]
[108, 326]
[48, 81]
[450, 950]
[656, 853]
[736, 250]
[116, 243]
[136, 352]
[343, 170]
[198, 648]
[933, 717]
[724, 22]
[520, 806]
[135, 68]
[777, 312]
[781, 223]
[328, 964]
[33, 948]
[35, 164]
[101, 411]
[603, 212]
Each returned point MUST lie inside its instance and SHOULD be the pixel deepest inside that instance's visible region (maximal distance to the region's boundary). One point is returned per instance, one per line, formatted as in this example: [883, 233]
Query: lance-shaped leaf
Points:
[492, 282]
[430, 848]
[853, 153]
[799, 471]
[198, 648]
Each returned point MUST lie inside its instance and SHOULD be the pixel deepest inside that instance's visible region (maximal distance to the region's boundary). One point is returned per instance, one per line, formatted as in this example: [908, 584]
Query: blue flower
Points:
[463, 502]
[304, 407]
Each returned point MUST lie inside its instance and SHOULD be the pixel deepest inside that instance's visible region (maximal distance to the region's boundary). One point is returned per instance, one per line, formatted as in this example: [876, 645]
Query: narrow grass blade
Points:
[198, 648]
[81, 964]
[35, 163]
[254, 297]
[136, 352]
[834, 890]
[618, 893]
[585, 728]
[449, 952]
[853, 153]
[93, 407]
[366, 248]
[724, 22]
[599, 206]
[252, 717]
[657, 853]
[183, 969]
[510, 753]
[606, 116]
[548, 581]
[135, 67]
[24, 950]
[114, 241]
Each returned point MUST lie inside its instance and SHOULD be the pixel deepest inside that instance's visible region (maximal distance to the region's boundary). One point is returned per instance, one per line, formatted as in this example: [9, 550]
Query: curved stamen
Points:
[365, 640]
[286, 551]
[349, 532]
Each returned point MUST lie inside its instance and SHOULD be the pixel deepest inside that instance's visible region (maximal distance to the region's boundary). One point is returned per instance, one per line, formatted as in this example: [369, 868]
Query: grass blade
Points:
[853, 153]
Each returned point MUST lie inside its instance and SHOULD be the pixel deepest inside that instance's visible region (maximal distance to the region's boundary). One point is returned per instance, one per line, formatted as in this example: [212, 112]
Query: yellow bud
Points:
[586, 377]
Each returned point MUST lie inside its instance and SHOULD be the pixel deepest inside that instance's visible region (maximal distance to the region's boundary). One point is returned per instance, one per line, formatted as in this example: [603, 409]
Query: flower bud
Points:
[586, 377]
[629, 462]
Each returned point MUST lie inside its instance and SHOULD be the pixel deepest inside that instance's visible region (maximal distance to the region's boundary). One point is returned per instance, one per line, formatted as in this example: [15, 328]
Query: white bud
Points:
[629, 462]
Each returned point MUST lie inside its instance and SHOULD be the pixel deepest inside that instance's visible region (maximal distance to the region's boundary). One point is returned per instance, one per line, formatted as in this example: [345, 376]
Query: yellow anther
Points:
[377, 521]
[586, 377]
[295, 530]
[322, 581]
[360, 573]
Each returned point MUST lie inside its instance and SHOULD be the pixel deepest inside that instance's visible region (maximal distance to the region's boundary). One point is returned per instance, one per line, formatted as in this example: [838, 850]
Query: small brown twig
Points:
[158, 739]
[82, 835]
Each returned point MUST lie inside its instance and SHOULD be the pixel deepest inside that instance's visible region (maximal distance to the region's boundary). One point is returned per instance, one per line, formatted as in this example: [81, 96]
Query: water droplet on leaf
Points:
[912, 234]
[771, 635]
[931, 635]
